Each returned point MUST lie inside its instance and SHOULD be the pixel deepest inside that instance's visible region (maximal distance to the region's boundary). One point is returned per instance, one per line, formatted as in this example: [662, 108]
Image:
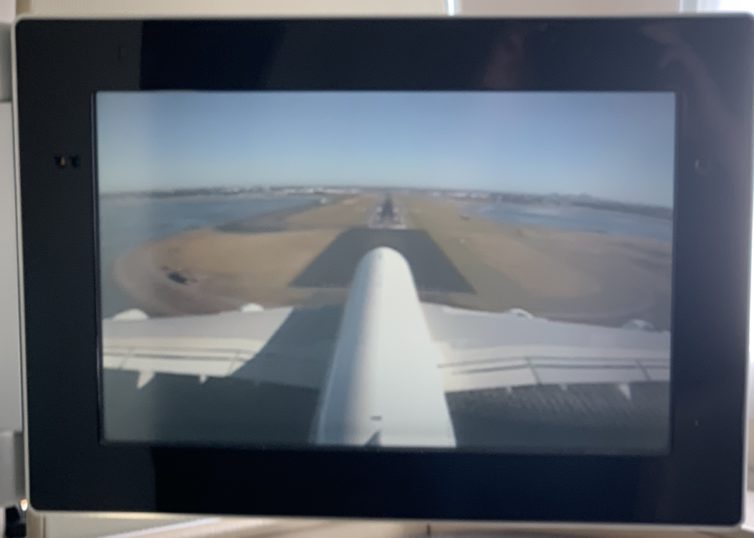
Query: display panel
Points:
[455, 270]
[697, 480]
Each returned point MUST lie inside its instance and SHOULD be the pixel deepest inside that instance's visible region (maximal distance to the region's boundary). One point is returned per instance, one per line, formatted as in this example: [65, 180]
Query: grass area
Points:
[489, 250]
[451, 230]
[221, 269]
[344, 213]
[553, 273]
[559, 274]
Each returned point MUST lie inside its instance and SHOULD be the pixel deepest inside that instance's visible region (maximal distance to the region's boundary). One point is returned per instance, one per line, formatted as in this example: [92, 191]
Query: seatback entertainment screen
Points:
[388, 270]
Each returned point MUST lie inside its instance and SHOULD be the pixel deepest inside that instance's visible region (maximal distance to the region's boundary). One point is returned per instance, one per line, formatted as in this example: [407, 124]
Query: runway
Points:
[307, 256]
[432, 269]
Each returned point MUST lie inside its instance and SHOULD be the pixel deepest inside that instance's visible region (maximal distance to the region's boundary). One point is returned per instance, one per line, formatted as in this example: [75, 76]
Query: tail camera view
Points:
[458, 270]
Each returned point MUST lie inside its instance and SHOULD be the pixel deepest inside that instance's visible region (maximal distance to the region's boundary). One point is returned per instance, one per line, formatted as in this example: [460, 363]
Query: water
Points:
[583, 219]
[126, 223]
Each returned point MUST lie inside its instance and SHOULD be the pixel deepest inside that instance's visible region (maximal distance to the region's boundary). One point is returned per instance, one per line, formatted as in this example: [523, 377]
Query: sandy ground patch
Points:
[575, 276]
[569, 275]
[221, 271]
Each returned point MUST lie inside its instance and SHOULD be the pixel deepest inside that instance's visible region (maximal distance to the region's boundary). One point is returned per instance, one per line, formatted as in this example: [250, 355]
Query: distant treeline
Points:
[581, 200]
[178, 192]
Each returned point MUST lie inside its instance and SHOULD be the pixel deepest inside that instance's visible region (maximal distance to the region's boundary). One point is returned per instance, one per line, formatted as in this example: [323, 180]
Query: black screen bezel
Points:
[62, 63]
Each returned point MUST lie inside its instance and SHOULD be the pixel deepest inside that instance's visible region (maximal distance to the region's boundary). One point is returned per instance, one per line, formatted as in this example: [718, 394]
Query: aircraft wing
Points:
[280, 345]
[479, 350]
[483, 350]
[383, 362]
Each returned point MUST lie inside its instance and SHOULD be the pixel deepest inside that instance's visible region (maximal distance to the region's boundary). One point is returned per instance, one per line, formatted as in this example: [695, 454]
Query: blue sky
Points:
[610, 145]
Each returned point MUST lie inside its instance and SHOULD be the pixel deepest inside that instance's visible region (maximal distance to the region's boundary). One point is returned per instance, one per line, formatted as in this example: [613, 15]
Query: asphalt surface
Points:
[335, 266]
